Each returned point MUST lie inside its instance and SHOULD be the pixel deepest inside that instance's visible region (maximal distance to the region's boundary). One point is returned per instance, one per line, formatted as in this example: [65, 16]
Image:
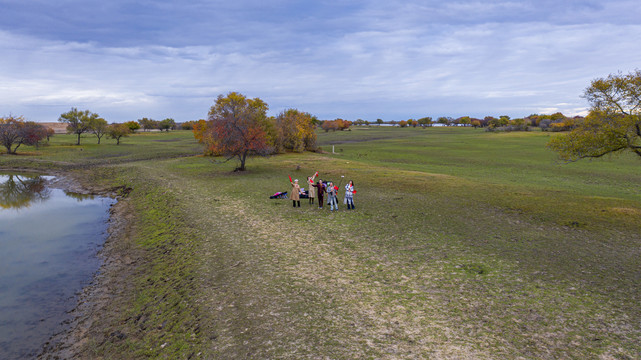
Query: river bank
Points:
[143, 294]
[109, 283]
[53, 232]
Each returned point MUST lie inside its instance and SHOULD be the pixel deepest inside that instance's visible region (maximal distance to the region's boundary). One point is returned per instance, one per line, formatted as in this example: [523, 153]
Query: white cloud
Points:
[377, 59]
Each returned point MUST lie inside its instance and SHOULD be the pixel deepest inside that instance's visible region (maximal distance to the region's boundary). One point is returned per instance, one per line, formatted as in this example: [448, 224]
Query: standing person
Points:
[312, 189]
[295, 193]
[331, 195]
[349, 195]
[320, 188]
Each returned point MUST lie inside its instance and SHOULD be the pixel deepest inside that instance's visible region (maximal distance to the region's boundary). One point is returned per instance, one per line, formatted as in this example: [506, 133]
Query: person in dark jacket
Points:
[320, 188]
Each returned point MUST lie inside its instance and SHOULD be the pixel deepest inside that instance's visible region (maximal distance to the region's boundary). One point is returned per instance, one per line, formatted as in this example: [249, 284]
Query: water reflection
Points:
[17, 191]
[48, 244]
[79, 196]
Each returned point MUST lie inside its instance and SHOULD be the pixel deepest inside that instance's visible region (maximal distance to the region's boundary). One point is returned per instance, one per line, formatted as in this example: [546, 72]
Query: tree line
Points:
[147, 124]
[553, 122]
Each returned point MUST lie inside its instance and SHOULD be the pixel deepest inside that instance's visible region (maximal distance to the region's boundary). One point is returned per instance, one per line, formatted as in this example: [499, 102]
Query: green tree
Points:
[465, 120]
[614, 122]
[166, 124]
[78, 122]
[425, 121]
[133, 125]
[147, 123]
[379, 121]
[98, 126]
[443, 120]
[117, 131]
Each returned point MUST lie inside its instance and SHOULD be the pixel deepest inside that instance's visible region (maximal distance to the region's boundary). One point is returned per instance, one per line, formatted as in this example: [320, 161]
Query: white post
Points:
[333, 150]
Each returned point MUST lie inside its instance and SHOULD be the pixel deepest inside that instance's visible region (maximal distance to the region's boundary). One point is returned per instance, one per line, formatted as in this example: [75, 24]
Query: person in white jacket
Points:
[349, 195]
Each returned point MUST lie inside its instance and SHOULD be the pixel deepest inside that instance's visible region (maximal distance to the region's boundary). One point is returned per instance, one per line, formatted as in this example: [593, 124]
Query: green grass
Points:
[464, 244]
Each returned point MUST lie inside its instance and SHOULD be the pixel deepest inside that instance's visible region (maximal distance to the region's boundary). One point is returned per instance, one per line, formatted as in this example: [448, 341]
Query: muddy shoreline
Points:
[94, 302]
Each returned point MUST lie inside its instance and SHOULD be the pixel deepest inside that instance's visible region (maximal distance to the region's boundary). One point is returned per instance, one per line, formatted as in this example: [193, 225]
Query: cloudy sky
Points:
[389, 59]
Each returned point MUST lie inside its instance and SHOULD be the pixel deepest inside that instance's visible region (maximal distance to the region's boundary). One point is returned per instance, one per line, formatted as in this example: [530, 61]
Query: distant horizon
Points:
[366, 59]
[434, 118]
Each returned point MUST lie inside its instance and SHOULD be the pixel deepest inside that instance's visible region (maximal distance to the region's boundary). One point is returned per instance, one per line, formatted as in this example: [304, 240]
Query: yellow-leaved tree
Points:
[296, 131]
[614, 122]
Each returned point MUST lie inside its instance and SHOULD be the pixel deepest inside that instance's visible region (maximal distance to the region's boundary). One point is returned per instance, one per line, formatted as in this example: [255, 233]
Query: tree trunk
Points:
[78, 143]
[118, 140]
[14, 149]
[242, 161]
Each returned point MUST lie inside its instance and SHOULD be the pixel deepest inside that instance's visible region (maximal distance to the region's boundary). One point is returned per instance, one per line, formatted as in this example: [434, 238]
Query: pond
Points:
[49, 241]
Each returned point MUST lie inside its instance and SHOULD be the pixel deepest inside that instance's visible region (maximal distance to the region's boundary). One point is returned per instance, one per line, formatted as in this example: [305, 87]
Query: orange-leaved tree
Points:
[199, 128]
[296, 130]
[237, 128]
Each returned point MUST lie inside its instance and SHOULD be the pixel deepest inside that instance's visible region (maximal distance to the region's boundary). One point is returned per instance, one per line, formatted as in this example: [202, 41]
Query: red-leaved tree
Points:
[237, 128]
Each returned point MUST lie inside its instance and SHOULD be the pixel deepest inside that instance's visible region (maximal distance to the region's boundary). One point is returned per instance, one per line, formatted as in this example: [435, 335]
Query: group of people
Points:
[319, 189]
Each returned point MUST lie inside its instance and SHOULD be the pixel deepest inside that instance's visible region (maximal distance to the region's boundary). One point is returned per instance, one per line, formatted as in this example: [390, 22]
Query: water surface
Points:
[49, 239]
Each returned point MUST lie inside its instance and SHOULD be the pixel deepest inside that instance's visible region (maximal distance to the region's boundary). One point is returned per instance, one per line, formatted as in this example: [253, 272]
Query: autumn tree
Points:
[613, 124]
[337, 124]
[117, 131]
[187, 125]
[14, 132]
[33, 133]
[295, 131]
[465, 120]
[199, 128]
[328, 125]
[78, 122]
[50, 132]
[402, 123]
[237, 128]
[98, 126]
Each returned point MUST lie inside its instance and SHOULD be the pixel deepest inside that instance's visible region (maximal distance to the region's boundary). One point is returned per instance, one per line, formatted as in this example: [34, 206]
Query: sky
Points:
[367, 59]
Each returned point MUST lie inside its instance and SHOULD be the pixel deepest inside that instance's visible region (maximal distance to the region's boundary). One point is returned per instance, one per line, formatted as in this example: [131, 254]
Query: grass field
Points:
[463, 244]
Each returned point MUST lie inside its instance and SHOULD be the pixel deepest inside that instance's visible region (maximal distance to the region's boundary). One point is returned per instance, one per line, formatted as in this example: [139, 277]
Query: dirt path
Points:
[277, 287]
